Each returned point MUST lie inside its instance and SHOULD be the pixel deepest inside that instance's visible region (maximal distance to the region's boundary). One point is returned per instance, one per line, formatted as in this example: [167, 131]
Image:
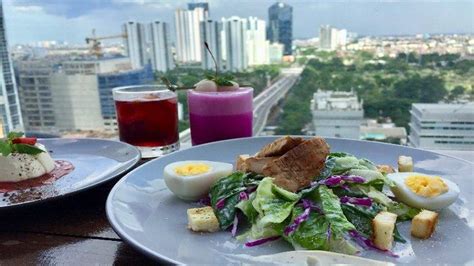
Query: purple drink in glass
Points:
[220, 115]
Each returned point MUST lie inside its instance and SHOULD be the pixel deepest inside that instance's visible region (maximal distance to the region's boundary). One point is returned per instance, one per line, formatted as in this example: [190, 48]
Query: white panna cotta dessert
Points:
[18, 166]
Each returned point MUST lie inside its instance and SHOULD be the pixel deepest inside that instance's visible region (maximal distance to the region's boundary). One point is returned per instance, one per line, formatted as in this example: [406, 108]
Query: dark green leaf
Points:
[361, 218]
[228, 188]
[339, 154]
[327, 170]
[310, 234]
[27, 149]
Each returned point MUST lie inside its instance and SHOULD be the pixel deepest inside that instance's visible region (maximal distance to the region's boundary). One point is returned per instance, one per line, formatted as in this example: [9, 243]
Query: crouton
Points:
[385, 169]
[424, 224]
[405, 164]
[382, 227]
[202, 220]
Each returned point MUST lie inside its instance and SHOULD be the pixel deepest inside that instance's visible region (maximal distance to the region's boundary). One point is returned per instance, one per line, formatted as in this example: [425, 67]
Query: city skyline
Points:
[55, 20]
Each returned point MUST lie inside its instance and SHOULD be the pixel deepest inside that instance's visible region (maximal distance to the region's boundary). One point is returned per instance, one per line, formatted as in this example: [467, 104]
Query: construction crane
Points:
[96, 47]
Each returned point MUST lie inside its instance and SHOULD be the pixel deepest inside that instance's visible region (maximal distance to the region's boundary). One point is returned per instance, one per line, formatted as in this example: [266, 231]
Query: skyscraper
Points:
[9, 102]
[136, 43]
[331, 38]
[188, 35]
[235, 29]
[211, 33]
[280, 25]
[203, 5]
[257, 44]
[161, 57]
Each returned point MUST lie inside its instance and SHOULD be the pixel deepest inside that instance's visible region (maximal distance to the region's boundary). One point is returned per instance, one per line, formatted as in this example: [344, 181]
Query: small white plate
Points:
[95, 161]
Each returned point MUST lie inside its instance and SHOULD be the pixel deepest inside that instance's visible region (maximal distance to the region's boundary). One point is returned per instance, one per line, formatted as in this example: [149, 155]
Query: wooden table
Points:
[73, 230]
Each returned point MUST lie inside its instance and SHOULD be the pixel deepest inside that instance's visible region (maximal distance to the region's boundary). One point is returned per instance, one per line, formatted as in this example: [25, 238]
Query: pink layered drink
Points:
[220, 115]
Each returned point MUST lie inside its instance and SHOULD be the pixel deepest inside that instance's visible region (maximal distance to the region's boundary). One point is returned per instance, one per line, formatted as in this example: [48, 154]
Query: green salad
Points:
[334, 213]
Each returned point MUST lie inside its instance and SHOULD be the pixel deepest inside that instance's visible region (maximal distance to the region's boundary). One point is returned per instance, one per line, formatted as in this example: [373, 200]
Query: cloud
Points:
[77, 8]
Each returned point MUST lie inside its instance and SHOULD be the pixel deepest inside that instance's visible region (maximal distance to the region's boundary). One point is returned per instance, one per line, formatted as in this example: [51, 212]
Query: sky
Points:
[72, 20]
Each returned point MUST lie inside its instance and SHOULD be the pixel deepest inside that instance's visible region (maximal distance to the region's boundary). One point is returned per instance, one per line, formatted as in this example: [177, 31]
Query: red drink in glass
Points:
[147, 118]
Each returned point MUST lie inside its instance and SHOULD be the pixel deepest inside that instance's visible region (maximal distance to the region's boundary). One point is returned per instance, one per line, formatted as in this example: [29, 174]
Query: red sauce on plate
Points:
[61, 169]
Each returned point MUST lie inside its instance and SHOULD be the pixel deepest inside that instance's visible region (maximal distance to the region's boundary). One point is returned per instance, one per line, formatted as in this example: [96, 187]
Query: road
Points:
[263, 103]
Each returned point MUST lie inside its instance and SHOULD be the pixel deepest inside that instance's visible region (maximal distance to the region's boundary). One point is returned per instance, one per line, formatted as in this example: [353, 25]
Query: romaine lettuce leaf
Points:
[270, 208]
[332, 211]
[310, 234]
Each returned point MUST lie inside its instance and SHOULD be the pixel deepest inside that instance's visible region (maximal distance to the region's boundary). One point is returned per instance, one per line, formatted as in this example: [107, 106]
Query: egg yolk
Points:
[426, 186]
[192, 169]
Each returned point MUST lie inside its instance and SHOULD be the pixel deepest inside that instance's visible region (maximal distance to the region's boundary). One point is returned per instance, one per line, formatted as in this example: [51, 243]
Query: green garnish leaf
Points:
[28, 149]
[5, 148]
[223, 81]
[13, 135]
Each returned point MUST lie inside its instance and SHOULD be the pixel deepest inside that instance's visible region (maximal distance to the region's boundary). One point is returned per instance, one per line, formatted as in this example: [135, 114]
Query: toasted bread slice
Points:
[245, 163]
[382, 227]
[202, 220]
[300, 165]
[240, 163]
[279, 146]
[424, 224]
[405, 164]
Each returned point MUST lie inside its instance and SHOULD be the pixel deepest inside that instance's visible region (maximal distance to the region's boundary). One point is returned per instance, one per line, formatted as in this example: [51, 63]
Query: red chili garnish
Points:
[29, 141]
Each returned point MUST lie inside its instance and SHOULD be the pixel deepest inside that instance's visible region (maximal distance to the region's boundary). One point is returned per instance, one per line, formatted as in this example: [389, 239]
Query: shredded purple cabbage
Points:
[205, 201]
[298, 220]
[357, 201]
[220, 203]
[251, 189]
[368, 244]
[337, 180]
[309, 204]
[234, 225]
[261, 241]
[243, 196]
[328, 232]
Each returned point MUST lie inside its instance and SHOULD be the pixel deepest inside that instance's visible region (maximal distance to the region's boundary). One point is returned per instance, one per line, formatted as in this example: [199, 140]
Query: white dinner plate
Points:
[149, 217]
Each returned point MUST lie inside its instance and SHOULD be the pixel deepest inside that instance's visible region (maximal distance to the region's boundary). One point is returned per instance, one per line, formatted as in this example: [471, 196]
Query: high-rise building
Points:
[211, 33]
[136, 43]
[203, 5]
[76, 94]
[188, 35]
[161, 57]
[275, 53]
[235, 29]
[257, 44]
[337, 114]
[280, 25]
[34, 86]
[331, 38]
[442, 126]
[9, 102]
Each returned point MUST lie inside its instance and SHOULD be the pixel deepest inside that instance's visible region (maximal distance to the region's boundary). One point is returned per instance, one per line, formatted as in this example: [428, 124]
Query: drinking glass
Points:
[220, 115]
[147, 118]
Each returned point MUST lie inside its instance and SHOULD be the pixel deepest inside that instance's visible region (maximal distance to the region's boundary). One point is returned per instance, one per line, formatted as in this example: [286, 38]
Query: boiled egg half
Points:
[191, 180]
[424, 191]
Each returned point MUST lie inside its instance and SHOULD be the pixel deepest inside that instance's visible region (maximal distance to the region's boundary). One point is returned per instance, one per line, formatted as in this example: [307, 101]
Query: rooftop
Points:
[444, 108]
